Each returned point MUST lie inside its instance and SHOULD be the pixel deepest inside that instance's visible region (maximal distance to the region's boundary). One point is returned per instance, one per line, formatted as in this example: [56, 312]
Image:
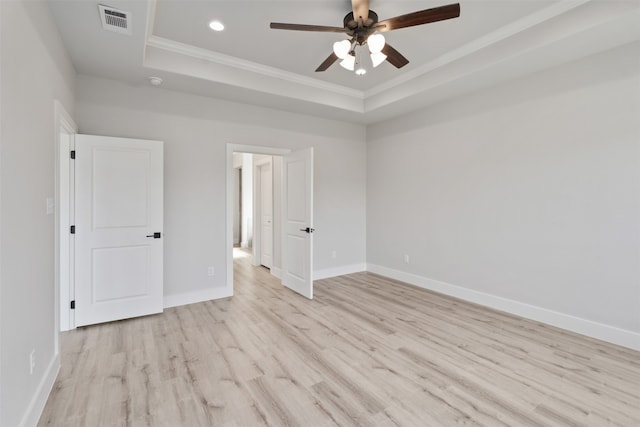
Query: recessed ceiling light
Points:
[216, 25]
[155, 81]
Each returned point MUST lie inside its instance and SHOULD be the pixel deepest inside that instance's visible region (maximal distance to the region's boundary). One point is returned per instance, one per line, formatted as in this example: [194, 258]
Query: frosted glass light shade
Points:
[342, 48]
[377, 58]
[348, 62]
[361, 72]
[375, 43]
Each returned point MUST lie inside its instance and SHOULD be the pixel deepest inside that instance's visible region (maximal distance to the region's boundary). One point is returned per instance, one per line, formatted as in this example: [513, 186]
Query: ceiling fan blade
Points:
[327, 62]
[422, 17]
[394, 57]
[360, 9]
[302, 27]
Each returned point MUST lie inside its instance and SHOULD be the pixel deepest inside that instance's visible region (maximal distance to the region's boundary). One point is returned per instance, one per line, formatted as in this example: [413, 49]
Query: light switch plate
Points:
[50, 205]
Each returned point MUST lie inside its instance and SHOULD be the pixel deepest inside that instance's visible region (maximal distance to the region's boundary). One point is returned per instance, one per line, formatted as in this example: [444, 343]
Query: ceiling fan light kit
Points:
[349, 62]
[367, 31]
[378, 58]
[342, 48]
[375, 42]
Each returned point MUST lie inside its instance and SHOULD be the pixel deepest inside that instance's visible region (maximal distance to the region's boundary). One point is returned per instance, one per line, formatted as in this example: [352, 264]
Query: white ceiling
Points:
[248, 62]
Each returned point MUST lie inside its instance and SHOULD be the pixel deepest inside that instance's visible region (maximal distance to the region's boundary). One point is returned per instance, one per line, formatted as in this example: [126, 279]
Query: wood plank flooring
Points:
[367, 351]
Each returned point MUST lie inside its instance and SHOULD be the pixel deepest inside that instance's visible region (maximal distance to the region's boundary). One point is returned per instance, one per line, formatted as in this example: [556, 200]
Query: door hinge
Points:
[73, 154]
[73, 304]
[73, 229]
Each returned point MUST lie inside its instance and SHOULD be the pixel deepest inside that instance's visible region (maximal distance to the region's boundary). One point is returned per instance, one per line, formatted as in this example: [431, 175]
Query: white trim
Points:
[196, 296]
[339, 271]
[258, 149]
[492, 38]
[586, 327]
[276, 272]
[149, 24]
[39, 400]
[254, 67]
[62, 218]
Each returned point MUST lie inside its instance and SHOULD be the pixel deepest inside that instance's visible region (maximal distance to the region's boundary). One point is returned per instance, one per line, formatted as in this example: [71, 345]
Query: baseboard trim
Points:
[276, 272]
[197, 296]
[586, 327]
[339, 271]
[36, 406]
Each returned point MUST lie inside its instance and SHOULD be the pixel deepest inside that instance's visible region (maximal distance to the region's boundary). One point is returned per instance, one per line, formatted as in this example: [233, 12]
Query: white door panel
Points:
[119, 204]
[298, 217]
[266, 212]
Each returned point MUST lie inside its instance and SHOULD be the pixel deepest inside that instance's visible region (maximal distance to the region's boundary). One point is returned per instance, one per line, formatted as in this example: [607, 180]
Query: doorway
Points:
[109, 251]
[256, 207]
[287, 254]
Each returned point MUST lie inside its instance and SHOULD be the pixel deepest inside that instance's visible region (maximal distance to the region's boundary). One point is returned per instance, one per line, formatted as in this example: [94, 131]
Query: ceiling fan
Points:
[363, 27]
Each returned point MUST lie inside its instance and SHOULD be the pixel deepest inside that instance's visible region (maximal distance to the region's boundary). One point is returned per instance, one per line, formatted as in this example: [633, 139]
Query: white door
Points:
[297, 247]
[266, 215]
[118, 228]
[237, 205]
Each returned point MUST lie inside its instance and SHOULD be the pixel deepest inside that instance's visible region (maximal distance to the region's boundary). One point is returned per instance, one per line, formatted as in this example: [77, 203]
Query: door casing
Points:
[65, 129]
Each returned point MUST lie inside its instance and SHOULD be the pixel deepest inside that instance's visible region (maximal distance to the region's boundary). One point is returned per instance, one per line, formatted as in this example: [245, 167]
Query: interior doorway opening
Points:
[278, 228]
[257, 182]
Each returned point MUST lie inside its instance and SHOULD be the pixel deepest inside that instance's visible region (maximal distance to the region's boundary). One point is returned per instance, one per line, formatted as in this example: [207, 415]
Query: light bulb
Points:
[348, 62]
[361, 72]
[341, 48]
[375, 42]
[216, 25]
[378, 58]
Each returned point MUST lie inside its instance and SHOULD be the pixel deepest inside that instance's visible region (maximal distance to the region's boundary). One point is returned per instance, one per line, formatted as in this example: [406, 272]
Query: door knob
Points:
[308, 230]
[155, 235]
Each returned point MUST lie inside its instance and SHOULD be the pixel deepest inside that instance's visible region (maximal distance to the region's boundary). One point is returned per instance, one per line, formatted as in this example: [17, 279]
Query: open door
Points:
[118, 228]
[297, 247]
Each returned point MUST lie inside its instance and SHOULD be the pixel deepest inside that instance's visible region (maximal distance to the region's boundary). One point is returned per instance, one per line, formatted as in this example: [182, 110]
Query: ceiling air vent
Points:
[115, 20]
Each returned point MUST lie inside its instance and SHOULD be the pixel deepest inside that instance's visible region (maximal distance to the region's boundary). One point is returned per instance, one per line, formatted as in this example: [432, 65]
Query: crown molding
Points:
[494, 37]
[254, 67]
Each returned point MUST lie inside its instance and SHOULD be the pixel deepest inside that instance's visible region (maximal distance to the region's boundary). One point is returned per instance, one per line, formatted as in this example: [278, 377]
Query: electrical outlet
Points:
[211, 271]
[406, 259]
[32, 361]
[334, 254]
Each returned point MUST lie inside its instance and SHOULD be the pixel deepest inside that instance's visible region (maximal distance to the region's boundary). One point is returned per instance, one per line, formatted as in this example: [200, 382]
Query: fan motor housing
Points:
[360, 33]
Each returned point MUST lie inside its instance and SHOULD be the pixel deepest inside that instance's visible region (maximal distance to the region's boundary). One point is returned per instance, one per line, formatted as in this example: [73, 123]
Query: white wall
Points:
[35, 70]
[196, 131]
[525, 196]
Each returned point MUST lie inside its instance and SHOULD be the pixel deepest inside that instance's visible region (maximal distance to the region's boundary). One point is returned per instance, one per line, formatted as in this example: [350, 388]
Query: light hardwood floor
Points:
[366, 351]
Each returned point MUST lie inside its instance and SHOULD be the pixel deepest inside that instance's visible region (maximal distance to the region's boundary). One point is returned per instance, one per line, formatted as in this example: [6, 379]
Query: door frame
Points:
[63, 202]
[240, 148]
